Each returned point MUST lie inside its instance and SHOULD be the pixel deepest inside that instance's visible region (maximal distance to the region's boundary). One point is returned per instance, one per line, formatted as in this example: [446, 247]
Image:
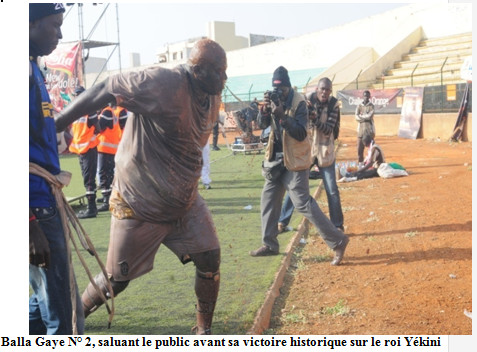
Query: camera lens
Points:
[274, 98]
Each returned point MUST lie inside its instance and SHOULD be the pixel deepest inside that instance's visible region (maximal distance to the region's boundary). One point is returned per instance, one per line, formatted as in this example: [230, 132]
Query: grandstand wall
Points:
[381, 32]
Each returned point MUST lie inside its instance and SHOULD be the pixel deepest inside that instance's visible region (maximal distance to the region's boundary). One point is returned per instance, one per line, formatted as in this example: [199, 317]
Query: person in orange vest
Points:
[85, 140]
[111, 121]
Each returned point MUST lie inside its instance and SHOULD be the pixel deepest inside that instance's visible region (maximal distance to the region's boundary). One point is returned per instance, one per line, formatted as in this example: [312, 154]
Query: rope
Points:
[69, 219]
[236, 97]
[223, 157]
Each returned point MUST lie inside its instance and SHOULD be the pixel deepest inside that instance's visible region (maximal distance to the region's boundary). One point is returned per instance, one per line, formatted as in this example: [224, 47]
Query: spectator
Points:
[205, 174]
[215, 136]
[50, 305]
[371, 164]
[365, 116]
[112, 121]
[84, 144]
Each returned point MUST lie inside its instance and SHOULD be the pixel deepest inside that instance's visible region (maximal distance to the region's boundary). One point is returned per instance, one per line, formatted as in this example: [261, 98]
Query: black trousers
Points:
[106, 170]
[361, 147]
[370, 173]
[88, 163]
[215, 134]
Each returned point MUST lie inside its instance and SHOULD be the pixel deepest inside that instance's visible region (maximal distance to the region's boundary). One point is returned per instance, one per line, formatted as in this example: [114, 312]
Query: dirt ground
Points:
[408, 266]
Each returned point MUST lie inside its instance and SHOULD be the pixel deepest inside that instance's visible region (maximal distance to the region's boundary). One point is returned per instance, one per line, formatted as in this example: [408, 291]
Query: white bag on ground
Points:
[386, 171]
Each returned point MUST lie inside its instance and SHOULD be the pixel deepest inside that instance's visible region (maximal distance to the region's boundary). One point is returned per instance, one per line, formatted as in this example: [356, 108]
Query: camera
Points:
[274, 95]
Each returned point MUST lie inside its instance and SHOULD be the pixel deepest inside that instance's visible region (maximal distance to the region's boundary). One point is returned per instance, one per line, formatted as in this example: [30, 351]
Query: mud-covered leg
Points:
[207, 282]
[92, 299]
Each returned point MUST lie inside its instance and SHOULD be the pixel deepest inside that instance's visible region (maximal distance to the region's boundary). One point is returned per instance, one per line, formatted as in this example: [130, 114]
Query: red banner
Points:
[64, 73]
[411, 112]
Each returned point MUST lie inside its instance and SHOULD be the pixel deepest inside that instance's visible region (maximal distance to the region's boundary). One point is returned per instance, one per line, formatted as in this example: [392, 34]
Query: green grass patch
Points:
[163, 301]
[370, 237]
[410, 234]
[348, 209]
[294, 318]
[318, 258]
[339, 308]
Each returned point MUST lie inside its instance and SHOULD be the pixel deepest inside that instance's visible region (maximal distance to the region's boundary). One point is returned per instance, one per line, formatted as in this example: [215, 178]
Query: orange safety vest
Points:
[109, 139]
[84, 137]
[118, 111]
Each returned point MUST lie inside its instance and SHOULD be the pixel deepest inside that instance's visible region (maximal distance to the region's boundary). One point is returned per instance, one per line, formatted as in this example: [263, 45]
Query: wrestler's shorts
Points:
[133, 244]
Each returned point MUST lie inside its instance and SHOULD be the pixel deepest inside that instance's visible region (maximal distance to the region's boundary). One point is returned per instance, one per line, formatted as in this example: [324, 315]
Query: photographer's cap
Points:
[281, 78]
[38, 11]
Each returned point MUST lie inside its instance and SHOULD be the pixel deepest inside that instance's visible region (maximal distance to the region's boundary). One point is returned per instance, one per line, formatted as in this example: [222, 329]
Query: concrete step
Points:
[440, 48]
[430, 62]
[421, 80]
[424, 69]
[431, 56]
[462, 52]
[465, 37]
[390, 85]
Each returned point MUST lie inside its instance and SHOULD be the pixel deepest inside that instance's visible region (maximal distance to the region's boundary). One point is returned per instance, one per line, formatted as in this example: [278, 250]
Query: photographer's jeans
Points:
[50, 304]
[287, 211]
[333, 194]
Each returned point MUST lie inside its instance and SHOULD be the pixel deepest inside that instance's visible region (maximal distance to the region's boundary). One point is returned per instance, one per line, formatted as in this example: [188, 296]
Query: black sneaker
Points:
[263, 251]
[215, 147]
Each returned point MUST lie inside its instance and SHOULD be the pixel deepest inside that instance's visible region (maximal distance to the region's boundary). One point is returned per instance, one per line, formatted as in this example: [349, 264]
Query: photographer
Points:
[289, 152]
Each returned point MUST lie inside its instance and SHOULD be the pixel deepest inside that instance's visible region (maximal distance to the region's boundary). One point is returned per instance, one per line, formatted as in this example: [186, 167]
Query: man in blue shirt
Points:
[50, 305]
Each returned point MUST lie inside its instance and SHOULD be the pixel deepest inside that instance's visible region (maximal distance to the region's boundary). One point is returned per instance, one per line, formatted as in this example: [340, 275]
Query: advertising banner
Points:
[411, 113]
[385, 101]
[64, 72]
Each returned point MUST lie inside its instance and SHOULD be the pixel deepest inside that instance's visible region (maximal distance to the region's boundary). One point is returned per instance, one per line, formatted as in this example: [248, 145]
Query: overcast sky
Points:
[145, 28]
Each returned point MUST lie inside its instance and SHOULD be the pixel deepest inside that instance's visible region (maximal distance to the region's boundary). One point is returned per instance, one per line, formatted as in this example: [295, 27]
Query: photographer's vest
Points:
[84, 137]
[110, 137]
[296, 154]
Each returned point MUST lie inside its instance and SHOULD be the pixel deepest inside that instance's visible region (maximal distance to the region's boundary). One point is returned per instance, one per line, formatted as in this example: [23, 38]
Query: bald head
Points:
[209, 62]
[206, 51]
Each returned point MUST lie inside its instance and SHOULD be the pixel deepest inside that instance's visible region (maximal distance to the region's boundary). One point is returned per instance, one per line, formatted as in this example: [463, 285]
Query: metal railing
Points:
[437, 99]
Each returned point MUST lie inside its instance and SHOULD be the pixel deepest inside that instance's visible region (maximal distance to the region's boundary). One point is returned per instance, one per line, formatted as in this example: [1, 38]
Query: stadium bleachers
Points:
[432, 62]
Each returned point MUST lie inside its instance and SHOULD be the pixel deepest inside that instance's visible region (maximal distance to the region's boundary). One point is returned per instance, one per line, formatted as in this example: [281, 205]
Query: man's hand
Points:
[264, 107]
[39, 246]
[278, 111]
